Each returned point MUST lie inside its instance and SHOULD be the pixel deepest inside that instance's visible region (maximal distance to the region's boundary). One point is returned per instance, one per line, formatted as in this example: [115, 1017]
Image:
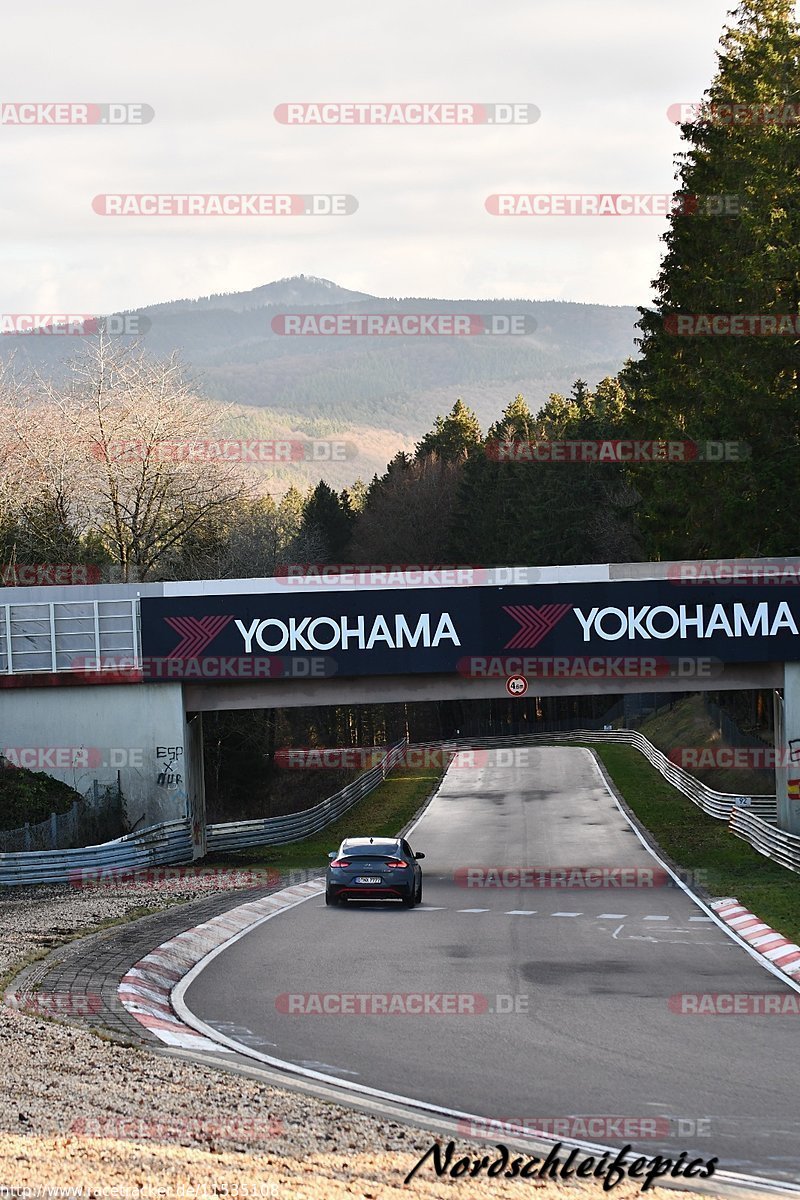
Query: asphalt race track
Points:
[593, 968]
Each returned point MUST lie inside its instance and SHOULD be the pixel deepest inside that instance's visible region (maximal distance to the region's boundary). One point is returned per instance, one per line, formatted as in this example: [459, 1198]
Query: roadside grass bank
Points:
[687, 726]
[696, 842]
[382, 813]
[31, 796]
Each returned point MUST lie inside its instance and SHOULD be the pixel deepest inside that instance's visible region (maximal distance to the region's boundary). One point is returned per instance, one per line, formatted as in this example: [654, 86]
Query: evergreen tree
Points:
[734, 388]
[453, 437]
[330, 517]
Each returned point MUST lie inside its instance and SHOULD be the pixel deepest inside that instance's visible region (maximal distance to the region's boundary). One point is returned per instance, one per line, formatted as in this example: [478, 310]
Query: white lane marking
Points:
[226, 1045]
[178, 993]
[611, 916]
[655, 918]
[616, 931]
[472, 910]
[521, 912]
[717, 920]
[321, 1066]
[566, 914]
[708, 919]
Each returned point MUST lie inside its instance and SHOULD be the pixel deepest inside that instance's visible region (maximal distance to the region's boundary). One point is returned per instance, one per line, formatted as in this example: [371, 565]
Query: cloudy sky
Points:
[602, 72]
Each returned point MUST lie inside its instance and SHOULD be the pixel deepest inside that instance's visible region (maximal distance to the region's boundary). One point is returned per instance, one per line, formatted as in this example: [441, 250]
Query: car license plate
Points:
[368, 879]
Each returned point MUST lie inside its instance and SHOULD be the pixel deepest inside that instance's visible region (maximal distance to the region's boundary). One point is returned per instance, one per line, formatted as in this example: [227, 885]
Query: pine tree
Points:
[330, 517]
[453, 437]
[742, 389]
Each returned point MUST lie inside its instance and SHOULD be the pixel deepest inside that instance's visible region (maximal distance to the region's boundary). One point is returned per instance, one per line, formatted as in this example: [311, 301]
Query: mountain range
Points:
[380, 392]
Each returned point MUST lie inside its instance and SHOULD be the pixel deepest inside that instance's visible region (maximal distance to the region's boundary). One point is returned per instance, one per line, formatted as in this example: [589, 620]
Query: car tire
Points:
[418, 897]
[331, 900]
[410, 900]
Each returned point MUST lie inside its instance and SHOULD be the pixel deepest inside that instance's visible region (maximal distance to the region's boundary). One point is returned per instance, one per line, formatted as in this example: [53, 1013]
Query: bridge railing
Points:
[277, 831]
[68, 635]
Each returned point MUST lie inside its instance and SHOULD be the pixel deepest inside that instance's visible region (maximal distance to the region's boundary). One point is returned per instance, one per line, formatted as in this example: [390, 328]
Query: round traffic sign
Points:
[516, 685]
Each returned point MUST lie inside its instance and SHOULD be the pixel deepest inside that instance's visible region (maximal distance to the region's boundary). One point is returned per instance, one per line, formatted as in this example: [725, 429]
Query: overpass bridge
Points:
[116, 677]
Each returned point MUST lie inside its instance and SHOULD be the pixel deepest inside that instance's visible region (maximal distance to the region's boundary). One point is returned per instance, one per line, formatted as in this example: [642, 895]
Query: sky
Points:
[602, 73]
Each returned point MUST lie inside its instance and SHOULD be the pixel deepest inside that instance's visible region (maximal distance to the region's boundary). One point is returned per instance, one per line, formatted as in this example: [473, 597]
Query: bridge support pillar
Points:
[787, 745]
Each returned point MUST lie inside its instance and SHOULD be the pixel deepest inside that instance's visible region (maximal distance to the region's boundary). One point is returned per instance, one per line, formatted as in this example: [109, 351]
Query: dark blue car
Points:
[374, 869]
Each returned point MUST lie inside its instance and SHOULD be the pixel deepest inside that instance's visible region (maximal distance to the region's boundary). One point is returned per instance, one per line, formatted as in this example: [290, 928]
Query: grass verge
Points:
[383, 814]
[696, 842]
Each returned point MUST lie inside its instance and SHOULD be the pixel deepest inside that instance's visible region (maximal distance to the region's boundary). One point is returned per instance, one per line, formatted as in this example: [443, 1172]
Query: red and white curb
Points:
[773, 946]
[145, 990]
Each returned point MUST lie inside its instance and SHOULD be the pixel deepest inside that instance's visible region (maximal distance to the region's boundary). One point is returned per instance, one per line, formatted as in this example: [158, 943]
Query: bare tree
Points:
[128, 451]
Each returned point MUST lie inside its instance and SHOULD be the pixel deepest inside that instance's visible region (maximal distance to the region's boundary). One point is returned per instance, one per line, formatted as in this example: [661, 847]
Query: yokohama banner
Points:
[439, 630]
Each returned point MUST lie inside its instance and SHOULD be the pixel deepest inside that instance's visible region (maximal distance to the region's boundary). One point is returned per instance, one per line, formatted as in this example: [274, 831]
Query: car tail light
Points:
[396, 862]
[341, 862]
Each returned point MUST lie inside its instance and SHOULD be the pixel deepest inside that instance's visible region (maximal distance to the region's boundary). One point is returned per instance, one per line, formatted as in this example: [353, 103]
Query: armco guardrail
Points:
[171, 842]
[160, 845]
[276, 831]
[714, 804]
[781, 847]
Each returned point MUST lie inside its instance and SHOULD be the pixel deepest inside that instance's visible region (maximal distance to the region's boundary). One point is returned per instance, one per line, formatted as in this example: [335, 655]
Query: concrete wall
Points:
[80, 734]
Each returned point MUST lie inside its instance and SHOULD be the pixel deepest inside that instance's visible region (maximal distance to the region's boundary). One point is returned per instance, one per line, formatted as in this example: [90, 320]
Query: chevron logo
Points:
[196, 633]
[534, 623]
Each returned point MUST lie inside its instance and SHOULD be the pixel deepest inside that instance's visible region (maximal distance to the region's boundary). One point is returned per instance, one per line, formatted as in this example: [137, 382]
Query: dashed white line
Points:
[566, 914]
[521, 912]
[473, 910]
[611, 916]
[655, 918]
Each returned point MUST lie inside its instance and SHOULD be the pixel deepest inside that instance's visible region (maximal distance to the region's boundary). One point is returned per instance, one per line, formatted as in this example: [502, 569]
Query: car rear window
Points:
[387, 849]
